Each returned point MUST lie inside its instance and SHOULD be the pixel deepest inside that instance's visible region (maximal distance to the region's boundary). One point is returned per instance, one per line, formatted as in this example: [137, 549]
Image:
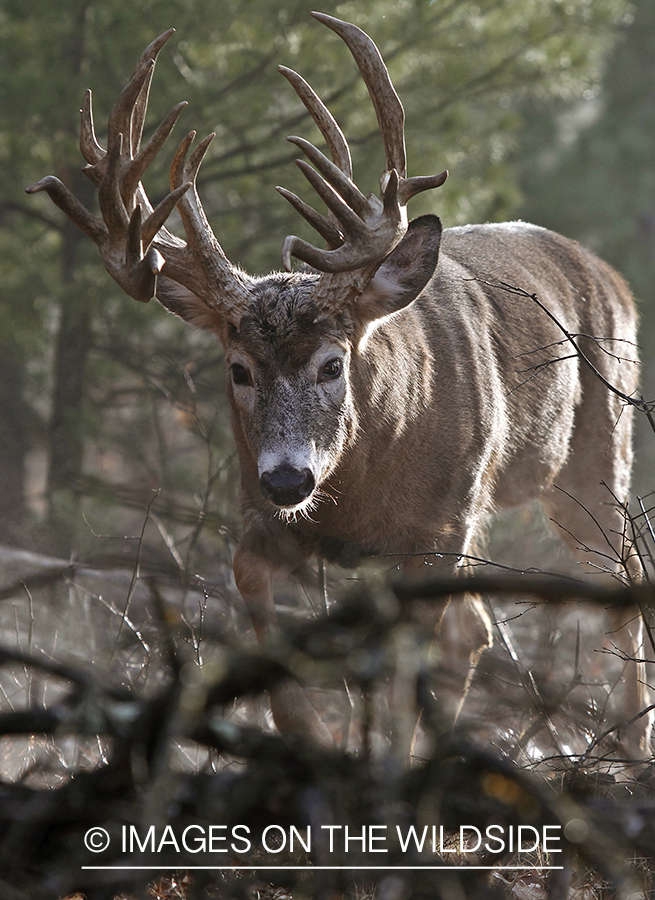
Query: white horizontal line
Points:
[313, 868]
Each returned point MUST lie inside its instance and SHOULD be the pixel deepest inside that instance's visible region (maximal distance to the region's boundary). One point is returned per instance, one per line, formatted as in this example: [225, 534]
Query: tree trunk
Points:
[73, 343]
[13, 442]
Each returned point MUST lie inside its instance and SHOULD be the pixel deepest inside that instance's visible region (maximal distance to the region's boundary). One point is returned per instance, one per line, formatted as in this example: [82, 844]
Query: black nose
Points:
[287, 486]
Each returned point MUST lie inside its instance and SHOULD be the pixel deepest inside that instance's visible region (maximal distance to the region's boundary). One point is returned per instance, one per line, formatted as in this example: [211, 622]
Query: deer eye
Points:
[239, 374]
[331, 370]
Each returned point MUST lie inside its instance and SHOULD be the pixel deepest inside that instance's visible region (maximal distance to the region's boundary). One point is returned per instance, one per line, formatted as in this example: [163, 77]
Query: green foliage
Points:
[600, 159]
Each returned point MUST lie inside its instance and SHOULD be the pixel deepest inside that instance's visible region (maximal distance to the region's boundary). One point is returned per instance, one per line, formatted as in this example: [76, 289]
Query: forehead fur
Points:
[285, 322]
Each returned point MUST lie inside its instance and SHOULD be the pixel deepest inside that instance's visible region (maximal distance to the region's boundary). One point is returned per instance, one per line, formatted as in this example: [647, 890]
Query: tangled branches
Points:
[171, 773]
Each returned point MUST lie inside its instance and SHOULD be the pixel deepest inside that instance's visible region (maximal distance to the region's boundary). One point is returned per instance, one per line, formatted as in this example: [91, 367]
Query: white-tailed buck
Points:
[378, 402]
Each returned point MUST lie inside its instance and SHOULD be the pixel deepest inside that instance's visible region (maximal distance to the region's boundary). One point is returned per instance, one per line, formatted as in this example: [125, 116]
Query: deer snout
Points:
[287, 486]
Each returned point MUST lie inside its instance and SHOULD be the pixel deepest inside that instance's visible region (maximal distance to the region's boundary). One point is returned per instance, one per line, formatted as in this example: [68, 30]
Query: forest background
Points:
[541, 109]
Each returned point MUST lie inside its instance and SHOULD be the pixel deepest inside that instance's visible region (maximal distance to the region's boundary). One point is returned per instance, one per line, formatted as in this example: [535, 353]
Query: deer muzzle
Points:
[287, 486]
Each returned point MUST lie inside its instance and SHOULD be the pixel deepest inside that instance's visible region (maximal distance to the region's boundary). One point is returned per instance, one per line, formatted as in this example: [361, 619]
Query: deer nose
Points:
[286, 485]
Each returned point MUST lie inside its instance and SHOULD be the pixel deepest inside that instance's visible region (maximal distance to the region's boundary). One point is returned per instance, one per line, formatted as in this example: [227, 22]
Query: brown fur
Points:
[438, 421]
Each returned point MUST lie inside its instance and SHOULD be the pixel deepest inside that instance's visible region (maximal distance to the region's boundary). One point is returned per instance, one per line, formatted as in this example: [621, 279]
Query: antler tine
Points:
[144, 267]
[228, 284]
[324, 120]
[160, 214]
[363, 247]
[128, 114]
[197, 229]
[153, 48]
[150, 150]
[89, 146]
[120, 117]
[410, 187]
[112, 207]
[332, 175]
[319, 223]
[388, 108]
[120, 123]
[341, 166]
[139, 112]
[66, 201]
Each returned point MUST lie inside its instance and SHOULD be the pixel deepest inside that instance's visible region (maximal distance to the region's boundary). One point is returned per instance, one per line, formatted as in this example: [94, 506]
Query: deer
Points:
[377, 402]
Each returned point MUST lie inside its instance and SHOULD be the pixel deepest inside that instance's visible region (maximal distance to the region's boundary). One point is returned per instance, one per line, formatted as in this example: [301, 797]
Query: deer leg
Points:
[594, 479]
[593, 528]
[627, 636]
[466, 632]
[293, 714]
[461, 629]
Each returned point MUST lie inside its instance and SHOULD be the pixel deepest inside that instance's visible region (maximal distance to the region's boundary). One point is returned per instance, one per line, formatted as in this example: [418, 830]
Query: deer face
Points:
[289, 386]
[291, 368]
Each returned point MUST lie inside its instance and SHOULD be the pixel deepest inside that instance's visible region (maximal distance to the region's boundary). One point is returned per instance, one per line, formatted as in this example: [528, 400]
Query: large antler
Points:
[131, 236]
[360, 231]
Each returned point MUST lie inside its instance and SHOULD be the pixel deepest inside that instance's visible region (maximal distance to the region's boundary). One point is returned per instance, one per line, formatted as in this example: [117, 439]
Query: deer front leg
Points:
[293, 714]
[627, 636]
[460, 630]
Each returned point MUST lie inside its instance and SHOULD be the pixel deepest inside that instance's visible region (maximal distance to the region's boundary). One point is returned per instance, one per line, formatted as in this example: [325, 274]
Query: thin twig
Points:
[644, 406]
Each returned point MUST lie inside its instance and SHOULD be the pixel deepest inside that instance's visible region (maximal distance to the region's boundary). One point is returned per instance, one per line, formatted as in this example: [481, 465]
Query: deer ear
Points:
[404, 273]
[181, 302]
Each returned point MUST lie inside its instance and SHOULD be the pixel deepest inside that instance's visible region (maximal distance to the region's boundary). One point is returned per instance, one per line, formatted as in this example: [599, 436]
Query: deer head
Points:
[289, 338]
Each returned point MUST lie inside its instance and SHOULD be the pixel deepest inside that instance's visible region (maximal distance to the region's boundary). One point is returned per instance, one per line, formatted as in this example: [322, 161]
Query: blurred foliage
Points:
[168, 731]
[100, 391]
[586, 170]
